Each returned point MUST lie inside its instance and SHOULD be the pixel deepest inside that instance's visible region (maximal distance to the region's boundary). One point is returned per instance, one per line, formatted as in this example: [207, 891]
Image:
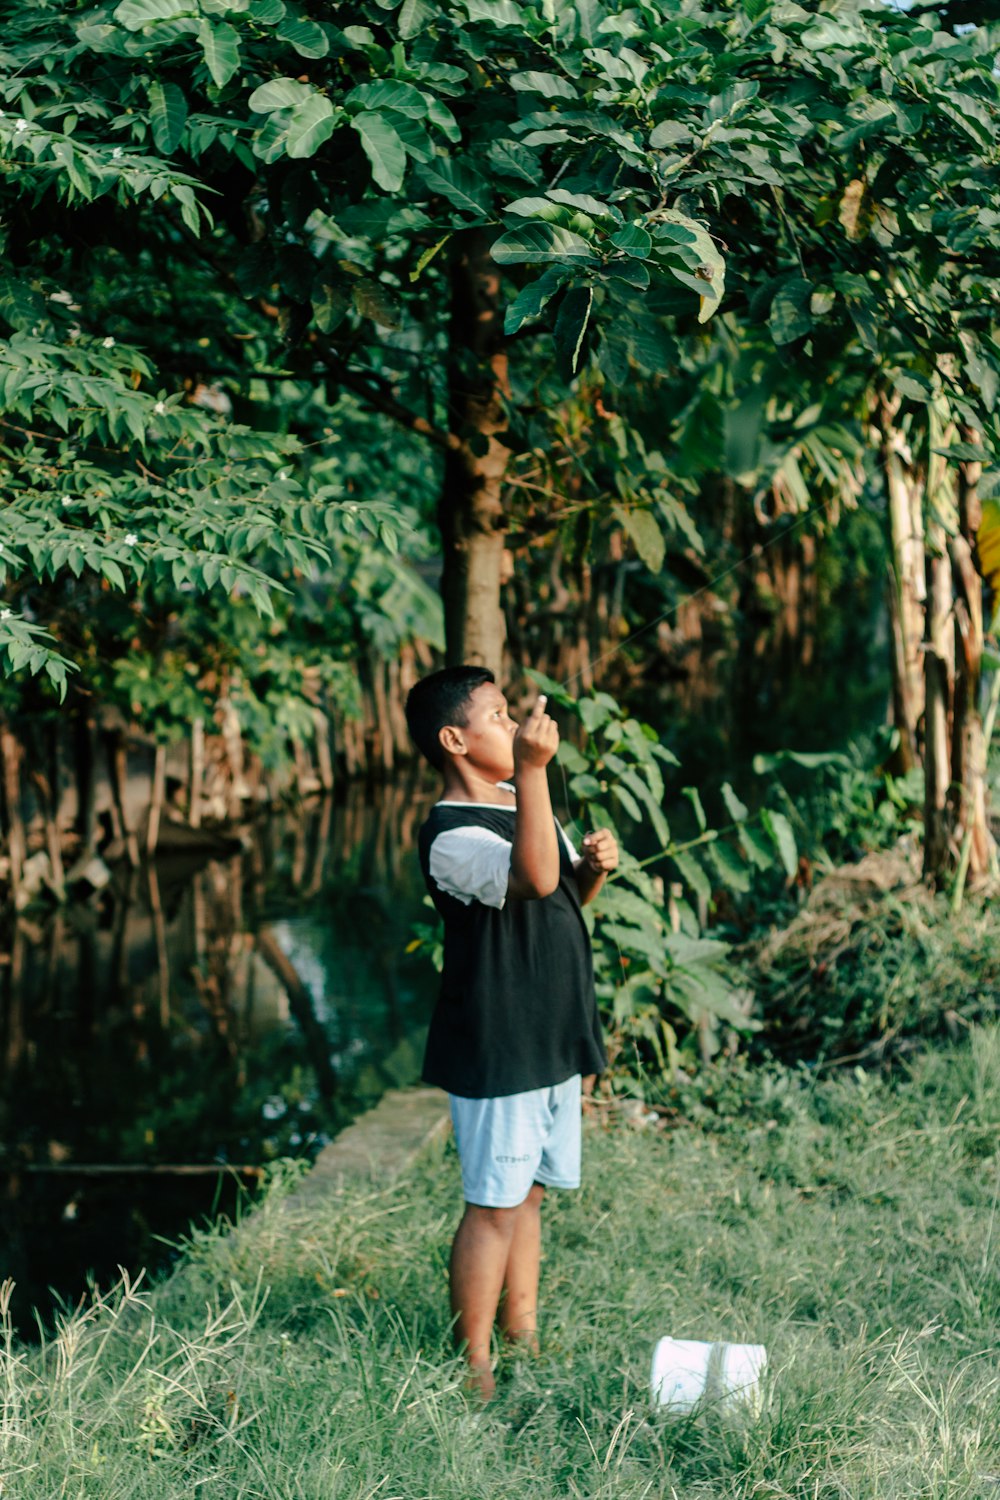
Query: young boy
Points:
[516, 1023]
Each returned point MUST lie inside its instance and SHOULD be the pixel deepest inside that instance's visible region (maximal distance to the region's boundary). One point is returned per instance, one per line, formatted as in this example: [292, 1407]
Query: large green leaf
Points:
[549, 85]
[167, 114]
[533, 243]
[633, 239]
[790, 317]
[307, 37]
[571, 326]
[461, 185]
[413, 17]
[220, 43]
[383, 149]
[135, 14]
[312, 123]
[280, 93]
[387, 93]
[532, 299]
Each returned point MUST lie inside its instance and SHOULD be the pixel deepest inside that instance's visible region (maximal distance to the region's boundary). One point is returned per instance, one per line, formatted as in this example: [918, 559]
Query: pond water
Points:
[225, 1011]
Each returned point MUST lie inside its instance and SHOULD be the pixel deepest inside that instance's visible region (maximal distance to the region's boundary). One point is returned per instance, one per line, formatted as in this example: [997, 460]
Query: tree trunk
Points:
[968, 794]
[471, 514]
[907, 583]
[940, 672]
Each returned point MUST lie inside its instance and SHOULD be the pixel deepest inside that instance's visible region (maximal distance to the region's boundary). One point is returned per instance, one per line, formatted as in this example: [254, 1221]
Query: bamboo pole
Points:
[970, 832]
[10, 754]
[324, 760]
[118, 768]
[156, 799]
[196, 772]
[52, 845]
[162, 955]
[85, 737]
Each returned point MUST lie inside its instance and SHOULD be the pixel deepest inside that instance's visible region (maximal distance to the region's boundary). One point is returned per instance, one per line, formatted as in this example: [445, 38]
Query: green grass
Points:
[851, 1225]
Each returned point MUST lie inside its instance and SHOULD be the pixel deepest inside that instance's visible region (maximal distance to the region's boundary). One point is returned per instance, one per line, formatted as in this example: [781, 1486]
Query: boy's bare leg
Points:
[519, 1312]
[479, 1257]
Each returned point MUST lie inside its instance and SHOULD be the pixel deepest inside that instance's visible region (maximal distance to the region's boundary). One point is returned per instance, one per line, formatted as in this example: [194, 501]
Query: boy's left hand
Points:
[600, 851]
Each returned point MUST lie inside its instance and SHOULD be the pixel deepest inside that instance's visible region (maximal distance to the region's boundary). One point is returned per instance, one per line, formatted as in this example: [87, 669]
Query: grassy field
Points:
[850, 1225]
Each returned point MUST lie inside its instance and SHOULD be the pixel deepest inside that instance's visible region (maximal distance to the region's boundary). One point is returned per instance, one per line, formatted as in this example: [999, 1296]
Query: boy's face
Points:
[487, 737]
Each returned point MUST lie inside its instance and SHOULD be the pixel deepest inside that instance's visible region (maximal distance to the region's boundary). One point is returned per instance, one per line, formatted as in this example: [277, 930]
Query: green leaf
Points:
[571, 326]
[461, 185]
[311, 124]
[738, 810]
[167, 114]
[511, 159]
[694, 876]
[413, 17]
[428, 255]
[387, 93]
[441, 117]
[549, 85]
[634, 240]
[569, 756]
[383, 149]
[692, 794]
[790, 317]
[135, 14]
[307, 37]
[220, 43]
[733, 874]
[756, 850]
[779, 831]
[644, 532]
[280, 93]
[532, 299]
[627, 801]
[593, 713]
[533, 243]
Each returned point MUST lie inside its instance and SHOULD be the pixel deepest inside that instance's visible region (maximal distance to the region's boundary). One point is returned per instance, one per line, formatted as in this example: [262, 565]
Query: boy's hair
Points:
[440, 699]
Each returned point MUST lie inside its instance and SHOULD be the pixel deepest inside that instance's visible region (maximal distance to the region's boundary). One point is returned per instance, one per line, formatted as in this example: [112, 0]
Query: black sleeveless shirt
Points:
[517, 1009]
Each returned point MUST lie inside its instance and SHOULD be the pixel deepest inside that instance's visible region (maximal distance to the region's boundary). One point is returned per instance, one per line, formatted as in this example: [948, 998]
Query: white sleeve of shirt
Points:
[473, 864]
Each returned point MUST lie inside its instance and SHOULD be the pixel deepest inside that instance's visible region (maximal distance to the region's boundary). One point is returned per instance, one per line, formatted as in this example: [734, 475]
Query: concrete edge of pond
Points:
[379, 1145]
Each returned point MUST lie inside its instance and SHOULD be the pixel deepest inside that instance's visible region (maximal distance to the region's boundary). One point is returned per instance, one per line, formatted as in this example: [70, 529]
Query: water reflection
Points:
[229, 1010]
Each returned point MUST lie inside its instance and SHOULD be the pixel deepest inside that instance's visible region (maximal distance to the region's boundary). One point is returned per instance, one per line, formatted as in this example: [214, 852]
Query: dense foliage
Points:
[237, 210]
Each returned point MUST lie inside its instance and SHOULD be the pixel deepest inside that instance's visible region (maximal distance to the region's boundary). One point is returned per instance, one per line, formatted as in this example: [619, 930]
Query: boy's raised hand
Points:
[537, 739]
[600, 851]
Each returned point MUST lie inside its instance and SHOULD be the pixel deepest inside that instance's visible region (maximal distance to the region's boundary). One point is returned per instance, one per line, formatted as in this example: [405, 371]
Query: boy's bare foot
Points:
[479, 1381]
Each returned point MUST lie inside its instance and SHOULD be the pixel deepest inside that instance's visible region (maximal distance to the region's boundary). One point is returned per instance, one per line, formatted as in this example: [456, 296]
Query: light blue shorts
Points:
[507, 1144]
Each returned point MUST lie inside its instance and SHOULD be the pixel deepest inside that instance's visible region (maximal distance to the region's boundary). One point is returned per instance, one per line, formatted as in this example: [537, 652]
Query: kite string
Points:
[687, 599]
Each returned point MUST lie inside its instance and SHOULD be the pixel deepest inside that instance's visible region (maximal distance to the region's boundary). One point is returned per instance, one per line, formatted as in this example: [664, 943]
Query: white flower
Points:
[282, 473]
[108, 343]
[160, 408]
[67, 500]
[5, 614]
[21, 125]
[117, 154]
[1, 546]
[131, 539]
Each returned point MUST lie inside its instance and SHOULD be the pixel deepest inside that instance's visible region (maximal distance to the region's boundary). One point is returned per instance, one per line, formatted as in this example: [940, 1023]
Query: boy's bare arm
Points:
[534, 859]
[600, 857]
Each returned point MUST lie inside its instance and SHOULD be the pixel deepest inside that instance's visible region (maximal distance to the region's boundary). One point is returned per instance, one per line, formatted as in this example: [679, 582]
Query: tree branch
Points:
[379, 396]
